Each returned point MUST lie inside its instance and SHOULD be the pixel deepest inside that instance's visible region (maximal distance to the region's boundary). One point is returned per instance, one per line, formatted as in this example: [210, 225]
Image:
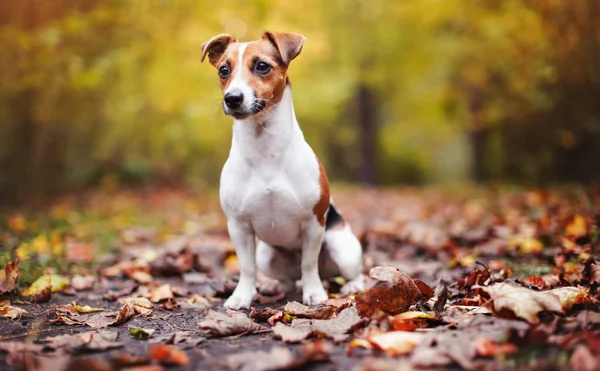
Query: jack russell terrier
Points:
[273, 186]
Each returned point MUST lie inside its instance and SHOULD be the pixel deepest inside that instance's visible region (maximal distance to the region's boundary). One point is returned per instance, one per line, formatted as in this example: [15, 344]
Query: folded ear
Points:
[215, 47]
[288, 44]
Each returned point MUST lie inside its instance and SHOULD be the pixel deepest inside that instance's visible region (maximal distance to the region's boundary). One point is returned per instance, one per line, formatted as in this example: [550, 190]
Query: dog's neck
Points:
[268, 135]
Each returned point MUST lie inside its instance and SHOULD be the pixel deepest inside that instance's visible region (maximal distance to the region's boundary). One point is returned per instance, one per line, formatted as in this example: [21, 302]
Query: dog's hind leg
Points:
[279, 264]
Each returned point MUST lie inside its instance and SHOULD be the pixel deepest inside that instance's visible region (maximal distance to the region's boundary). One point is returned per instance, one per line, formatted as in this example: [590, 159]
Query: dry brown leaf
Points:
[302, 311]
[11, 274]
[394, 294]
[8, 311]
[522, 302]
[168, 355]
[140, 305]
[91, 341]
[183, 339]
[291, 334]
[233, 323]
[161, 293]
[264, 314]
[43, 296]
[336, 328]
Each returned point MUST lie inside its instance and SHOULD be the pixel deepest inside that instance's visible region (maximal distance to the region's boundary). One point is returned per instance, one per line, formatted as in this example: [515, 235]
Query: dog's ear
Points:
[215, 48]
[288, 44]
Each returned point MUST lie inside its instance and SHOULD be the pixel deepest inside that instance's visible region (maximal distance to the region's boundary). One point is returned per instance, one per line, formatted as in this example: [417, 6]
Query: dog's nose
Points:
[234, 99]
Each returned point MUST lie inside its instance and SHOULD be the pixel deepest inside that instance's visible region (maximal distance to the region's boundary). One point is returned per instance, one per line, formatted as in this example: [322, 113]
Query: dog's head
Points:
[252, 75]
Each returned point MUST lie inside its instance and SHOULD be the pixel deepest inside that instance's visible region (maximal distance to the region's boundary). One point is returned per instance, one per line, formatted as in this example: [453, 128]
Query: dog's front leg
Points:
[313, 292]
[243, 239]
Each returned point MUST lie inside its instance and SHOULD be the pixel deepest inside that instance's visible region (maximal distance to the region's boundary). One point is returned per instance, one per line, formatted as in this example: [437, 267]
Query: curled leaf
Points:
[522, 302]
[394, 294]
[11, 273]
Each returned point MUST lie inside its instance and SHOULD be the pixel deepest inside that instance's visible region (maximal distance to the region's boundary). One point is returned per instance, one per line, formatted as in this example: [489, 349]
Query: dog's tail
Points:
[342, 247]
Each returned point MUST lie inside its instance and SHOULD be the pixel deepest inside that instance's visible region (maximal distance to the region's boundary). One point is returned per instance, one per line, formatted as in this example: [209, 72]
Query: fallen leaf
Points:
[336, 328]
[570, 296]
[168, 355]
[11, 275]
[86, 308]
[140, 305]
[394, 294]
[161, 293]
[264, 314]
[81, 283]
[141, 276]
[338, 304]
[396, 343]
[233, 323]
[577, 227]
[522, 302]
[126, 360]
[485, 347]
[438, 307]
[279, 357]
[296, 309]
[410, 321]
[8, 311]
[141, 333]
[290, 334]
[43, 296]
[526, 245]
[55, 281]
[183, 339]
[91, 341]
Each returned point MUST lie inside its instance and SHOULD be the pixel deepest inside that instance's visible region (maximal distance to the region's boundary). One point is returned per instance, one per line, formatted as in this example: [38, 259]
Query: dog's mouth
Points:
[243, 112]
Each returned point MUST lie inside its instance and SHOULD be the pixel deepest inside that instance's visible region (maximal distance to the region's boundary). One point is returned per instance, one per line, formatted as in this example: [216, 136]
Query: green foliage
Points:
[113, 92]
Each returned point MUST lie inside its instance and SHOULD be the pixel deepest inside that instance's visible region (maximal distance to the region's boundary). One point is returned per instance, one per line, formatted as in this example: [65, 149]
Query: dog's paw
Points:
[314, 296]
[354, 286]
[239, 300]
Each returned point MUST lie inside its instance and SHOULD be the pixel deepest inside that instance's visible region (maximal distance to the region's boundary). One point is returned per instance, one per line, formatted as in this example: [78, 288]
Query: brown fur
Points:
[322, 204]
[275, 48]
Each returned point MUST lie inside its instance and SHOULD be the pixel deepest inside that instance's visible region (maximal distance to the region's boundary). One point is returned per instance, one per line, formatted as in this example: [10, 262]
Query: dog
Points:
[273, 187]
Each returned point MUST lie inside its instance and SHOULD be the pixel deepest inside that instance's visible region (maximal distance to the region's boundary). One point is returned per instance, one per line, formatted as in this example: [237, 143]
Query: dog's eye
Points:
[262, 68]
[224, 72]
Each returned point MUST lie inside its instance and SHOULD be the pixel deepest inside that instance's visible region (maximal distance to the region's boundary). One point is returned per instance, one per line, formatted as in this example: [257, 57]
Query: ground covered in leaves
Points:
[136, 280]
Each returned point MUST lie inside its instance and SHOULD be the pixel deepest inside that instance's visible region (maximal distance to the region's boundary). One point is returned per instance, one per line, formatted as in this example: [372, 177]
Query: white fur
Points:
[269, 186]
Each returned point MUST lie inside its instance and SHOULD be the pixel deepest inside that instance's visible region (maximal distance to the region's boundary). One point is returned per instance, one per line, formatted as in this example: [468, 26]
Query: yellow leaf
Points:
[577, 227]
[526, 245]
[55, 281]
[86, 308]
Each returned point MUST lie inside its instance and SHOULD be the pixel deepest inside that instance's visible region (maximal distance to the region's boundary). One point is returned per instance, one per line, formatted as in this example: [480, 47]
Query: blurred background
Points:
[107, 93]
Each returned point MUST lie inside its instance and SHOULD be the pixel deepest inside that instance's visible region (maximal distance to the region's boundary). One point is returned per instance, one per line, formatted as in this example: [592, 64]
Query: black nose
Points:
[234, 99]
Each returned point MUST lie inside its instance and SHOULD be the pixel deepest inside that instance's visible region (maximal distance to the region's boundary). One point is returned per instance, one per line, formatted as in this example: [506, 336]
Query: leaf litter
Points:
[516, 275]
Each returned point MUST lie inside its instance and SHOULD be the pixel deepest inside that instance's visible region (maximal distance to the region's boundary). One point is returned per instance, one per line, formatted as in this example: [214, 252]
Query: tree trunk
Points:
[367, 134]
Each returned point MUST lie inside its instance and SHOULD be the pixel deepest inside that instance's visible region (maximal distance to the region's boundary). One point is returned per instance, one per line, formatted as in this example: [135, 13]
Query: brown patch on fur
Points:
[270, 86]
[322, 204]
[215, 47]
